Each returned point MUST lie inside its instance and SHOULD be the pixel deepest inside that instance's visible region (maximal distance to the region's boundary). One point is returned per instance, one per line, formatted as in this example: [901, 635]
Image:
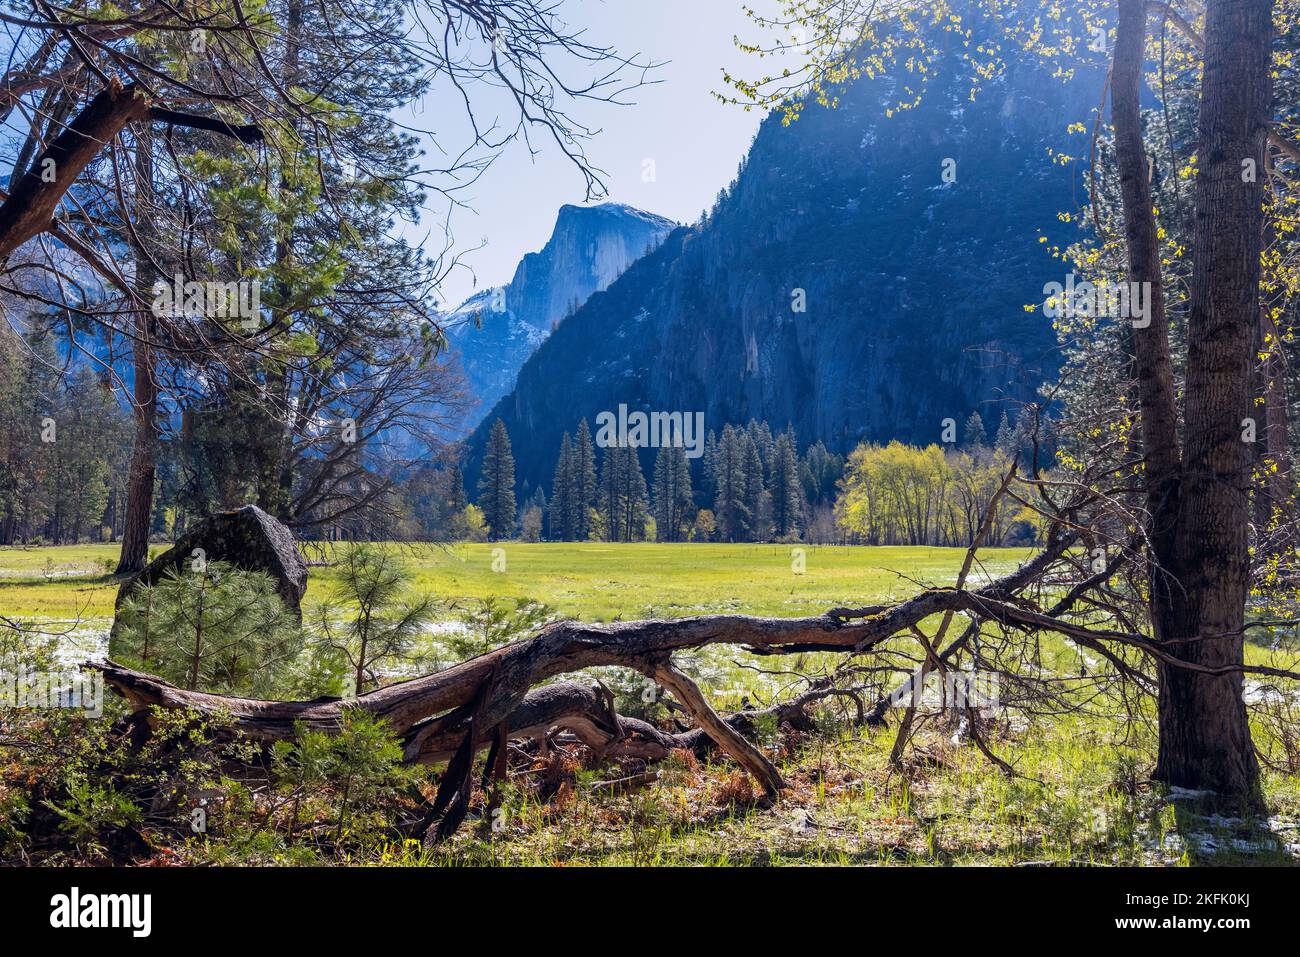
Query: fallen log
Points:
[586, 711]
[568, 646]
[451, 714]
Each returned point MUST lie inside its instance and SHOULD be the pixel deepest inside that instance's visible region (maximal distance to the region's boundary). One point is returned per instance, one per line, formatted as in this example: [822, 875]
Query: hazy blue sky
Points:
[695, 141]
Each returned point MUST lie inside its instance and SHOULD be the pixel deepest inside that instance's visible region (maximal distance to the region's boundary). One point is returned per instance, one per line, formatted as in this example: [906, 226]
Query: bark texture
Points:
[1197, 497]
[30, 206]
[1204, 733]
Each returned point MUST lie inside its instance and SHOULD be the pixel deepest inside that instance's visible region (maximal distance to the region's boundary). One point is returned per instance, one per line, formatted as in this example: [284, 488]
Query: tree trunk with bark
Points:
[1198, 508]
[144, 394]
[1205, 738]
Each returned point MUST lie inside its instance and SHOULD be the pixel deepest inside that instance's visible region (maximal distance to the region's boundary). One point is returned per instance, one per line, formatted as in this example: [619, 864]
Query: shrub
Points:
[217, 628]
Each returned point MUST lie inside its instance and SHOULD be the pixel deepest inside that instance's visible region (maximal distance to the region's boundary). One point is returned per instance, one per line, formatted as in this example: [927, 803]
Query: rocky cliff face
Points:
[844, 286]
[497, 329]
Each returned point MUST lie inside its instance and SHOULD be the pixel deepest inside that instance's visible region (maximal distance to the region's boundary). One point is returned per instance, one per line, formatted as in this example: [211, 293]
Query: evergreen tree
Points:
[536, 499]
[674, 506]
[456, 497]
[623, 495]
[216, 628]
[636, 501]
[755, 492]
[611, 464]
[564, 507]
[761, 435]
[26, 462]
[787, 491]
[496, 484]
[973, 435]
[584, 478]
[374, 618]
[820, 473]
[730, 507]
[1006, 437]
[80, 469]
[709, 486]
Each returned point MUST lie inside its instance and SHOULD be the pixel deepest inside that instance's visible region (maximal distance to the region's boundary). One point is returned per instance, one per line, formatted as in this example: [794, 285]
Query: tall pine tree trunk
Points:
[1204, 732]
[275, 483]
[144, 399]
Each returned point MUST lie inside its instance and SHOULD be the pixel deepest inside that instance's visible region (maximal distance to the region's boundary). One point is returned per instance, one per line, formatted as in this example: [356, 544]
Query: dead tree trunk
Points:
[451, 714]
[728, 738]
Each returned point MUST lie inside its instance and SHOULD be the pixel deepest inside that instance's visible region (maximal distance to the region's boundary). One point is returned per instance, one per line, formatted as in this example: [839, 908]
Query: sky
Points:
[694, 141]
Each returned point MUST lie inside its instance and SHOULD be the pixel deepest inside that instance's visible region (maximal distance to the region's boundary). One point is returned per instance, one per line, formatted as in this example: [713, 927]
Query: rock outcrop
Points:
[496, 330]
[247, 538]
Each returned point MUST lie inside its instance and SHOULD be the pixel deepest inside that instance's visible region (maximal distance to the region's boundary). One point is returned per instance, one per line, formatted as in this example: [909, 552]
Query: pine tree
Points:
[496, 484]
[26, 462]
[373, 618]
[564, 509]
[636, 501]
[761, 435]
[710, 484]
[218, 628]
[686, 495]
[85, 415]
[623, 495]
[1006, 437]
[755, 491]
[536, 499]
[611, 465]
[820, 473]
[674, 505]
[974, 436]
[663, 495]
[456, 497]
[730, 507]
[787, 492]
[584, 477]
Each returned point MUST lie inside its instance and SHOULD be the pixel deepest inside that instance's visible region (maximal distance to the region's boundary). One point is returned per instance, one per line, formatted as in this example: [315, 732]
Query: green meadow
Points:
[593, 581]
[1079, 792]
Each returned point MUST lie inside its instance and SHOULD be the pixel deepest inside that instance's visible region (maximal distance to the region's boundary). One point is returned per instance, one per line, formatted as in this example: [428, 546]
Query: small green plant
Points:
[90, 810]
[492, 622]
[373, 619]
[215, 628]
[340, 785]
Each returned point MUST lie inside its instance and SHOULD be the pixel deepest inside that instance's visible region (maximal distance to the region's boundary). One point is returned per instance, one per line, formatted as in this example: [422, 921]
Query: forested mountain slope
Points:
[913, 284]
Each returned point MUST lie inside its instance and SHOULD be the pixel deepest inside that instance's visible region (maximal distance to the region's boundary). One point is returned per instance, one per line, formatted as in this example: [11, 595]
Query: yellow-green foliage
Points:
[902, 493]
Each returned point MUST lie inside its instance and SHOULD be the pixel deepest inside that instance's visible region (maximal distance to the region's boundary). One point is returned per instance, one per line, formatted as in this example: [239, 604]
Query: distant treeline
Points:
[65, 459]
[65, 445]
[750, 485]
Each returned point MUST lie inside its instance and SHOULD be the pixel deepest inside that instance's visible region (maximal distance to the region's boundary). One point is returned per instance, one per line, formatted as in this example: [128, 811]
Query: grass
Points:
[1080, 794]
[591, 581]
[1078, 799]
